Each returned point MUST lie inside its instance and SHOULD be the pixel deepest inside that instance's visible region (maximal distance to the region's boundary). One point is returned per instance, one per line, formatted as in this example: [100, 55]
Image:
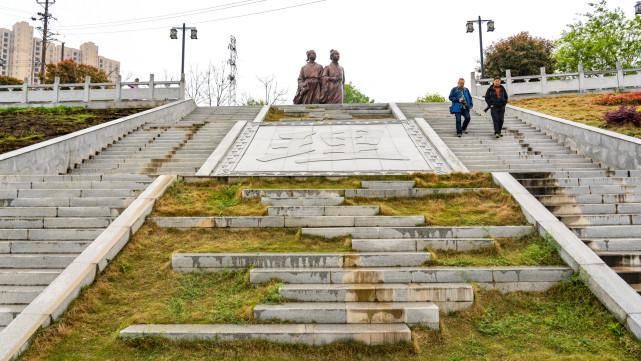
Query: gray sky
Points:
[392, 50]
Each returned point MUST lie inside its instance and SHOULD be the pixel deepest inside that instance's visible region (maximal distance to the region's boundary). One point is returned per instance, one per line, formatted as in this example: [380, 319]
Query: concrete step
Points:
[291, 193]
[422, 244]
[388, 184]
[88, 234]
[621, 259]
[214, 262]
[583, 190]
[55, 222]
[112, 202]
[19, 295]
[27, 276]
[307, 334]
[49, 247]
[302, 201]
[607, 231]
[559, 200]
[412, 313]
[614, 244]
[600, 219]
[410, 275]
[23, 261]
[420, 232]
[324, 211]
[596, 209]
[32, 212]
[8, 313]
[593, 181]
[630, 274]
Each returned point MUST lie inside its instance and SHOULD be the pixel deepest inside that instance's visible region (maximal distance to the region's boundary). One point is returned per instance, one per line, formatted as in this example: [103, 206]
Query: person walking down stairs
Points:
[496, 99]
[462, 103]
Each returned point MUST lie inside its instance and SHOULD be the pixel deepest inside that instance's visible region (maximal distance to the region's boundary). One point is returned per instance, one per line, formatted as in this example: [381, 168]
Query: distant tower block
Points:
[233, 70]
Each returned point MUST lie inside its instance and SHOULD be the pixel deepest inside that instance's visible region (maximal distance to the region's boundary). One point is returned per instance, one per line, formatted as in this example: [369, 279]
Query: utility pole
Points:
[46, 33]
[233, 70]
[62, 52]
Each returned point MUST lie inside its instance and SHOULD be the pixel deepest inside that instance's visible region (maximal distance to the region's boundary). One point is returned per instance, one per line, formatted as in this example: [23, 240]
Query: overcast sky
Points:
[391, 50]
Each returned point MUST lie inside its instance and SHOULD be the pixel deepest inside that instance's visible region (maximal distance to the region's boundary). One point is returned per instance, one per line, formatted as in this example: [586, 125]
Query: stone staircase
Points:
[522, 149]
[181, 148]
[330, 112]
[46, 221]
[602, 208]
[372, 294]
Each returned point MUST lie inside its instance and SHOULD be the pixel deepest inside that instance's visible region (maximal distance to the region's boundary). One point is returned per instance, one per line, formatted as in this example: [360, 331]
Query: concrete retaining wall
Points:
[56, 156]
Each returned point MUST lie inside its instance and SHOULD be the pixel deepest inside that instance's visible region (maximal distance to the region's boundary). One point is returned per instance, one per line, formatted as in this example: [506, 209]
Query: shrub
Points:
[431, 98]
[619, 99]
[625, 115]
[7, 80]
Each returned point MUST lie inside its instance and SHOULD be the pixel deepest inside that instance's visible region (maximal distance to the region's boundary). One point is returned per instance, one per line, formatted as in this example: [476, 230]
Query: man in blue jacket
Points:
[462, 103]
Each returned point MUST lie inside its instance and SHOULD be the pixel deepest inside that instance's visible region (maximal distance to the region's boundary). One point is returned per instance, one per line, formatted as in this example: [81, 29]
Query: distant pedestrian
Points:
[462, 103]
[135, 85]
[496, 99]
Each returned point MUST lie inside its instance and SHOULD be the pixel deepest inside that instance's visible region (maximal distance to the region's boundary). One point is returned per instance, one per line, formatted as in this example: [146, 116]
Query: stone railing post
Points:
[544, 81]
[56, 90]
[473, 84]
[87, 88]
[620, 76]
[508, 82]
[152, 87]
[118, 89]
[25, 91]
[581, 78]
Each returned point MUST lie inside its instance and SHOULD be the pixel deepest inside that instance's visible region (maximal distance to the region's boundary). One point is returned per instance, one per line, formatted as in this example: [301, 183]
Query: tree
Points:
[432, 98]
[599, 40]
[522, 53]
[71, 72]
[272, 93]
[7, 80]
[354, 96]
[216, 85]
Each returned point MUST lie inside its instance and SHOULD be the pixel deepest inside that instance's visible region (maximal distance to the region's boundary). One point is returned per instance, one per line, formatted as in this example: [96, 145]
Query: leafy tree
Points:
[354, 96]
[71, 72]
[432, 98]
[522, 53]
[600, 39]
[7, 80]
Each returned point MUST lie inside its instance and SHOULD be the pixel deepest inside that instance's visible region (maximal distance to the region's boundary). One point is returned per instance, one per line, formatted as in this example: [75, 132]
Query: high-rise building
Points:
[22, 54]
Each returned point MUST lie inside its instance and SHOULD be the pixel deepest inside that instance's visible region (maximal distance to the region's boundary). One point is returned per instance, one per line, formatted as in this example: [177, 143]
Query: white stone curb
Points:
[54, 300]
[441, 147]
[262, 114]
[219, 153]
[615, 294]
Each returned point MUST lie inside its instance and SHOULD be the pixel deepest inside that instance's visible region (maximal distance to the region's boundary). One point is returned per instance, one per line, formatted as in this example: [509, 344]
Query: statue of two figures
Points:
[318, 85]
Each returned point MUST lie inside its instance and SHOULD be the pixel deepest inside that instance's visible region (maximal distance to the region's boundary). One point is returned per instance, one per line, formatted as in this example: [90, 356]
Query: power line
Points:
[207, 21]
[220, 7]
[6, 8]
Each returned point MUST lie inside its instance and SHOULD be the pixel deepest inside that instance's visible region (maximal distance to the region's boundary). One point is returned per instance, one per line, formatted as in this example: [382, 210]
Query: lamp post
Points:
[490, 28]
[637, 8]
[173, 34]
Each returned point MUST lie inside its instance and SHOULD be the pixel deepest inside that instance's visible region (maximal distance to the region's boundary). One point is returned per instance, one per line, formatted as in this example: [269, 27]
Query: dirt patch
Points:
[21, 127]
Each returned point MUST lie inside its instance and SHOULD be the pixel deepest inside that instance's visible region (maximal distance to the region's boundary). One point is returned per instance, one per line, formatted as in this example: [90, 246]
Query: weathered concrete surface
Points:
[288, 221]
[307, 334]
[57, 155]
[219, 153]
[421, 232]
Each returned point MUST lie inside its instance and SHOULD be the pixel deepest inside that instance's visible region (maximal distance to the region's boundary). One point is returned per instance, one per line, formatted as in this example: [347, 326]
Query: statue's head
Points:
[334, 55]
[311, 55]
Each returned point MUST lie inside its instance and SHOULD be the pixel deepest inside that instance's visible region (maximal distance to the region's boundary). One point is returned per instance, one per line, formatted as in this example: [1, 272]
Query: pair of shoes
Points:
[497, 135]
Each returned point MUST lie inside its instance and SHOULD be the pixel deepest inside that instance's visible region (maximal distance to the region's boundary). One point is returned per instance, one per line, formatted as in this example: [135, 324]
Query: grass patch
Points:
[531, 250]
[223, 199]
[21, 127]
[579, 108]
[492, 207]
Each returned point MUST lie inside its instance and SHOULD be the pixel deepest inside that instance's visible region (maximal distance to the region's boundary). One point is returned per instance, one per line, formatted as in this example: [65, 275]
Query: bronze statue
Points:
[333, 81]
[309, 81]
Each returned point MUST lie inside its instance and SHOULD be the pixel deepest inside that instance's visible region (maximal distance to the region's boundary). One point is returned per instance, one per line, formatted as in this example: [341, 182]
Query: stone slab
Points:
[421, 232]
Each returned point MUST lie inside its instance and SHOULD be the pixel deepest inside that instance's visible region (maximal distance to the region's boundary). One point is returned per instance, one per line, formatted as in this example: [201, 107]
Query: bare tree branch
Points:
[272, 93]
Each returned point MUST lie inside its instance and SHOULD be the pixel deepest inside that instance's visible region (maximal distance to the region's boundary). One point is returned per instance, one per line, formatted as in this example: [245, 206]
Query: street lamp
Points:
[637, 8]
[490, 28]
[173, 34]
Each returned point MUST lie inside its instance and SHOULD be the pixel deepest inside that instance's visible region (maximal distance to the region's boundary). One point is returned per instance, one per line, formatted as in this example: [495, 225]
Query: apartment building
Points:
[23, 54]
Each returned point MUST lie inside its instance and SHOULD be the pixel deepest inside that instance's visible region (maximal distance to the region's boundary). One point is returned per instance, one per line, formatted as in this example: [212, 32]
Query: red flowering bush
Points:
[619, 99]
[625, 115]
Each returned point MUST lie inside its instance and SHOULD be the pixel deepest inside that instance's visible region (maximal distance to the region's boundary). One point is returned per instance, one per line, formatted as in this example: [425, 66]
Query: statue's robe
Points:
[309, 84]
[333, 84]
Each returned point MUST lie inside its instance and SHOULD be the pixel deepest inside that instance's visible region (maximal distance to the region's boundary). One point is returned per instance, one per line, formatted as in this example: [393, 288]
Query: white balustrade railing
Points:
[579, 82]
[86, 92]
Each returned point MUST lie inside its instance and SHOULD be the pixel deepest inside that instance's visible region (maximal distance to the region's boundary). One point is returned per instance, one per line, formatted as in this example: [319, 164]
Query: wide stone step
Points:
[302, 201]
[601, 220]
[607, 231]
[630, 274]
[412, 313]
[595, 209]
[388, 184]
[55, 222]
[480, 275]
[422, 244]
[32, 212]
[291, 193]
[323, 211]
[420, 232]
[73, 178]
[28, 276]
[558, 200]
[112, 202]
[8, 313]
[573, 182]
[55, 261]
[213, 262]
[307, 334]
[405, 193]
[19, 295]
[581, 190]
[87, 234]
[449, 297]
[51, 247]
[614, 244]
[618, 258]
